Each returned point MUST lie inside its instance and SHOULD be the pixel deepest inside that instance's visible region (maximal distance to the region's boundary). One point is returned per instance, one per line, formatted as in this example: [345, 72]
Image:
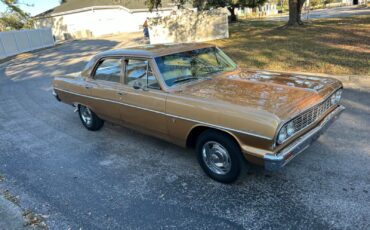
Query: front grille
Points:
[311, 115]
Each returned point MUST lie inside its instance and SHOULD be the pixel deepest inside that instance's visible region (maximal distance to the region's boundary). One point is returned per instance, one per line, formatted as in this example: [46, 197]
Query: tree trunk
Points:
[295, 12]
[299, 15]
[282, 5]
[232, 14]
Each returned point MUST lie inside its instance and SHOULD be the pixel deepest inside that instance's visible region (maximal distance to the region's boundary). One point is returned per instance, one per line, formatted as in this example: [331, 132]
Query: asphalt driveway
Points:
[118, 178]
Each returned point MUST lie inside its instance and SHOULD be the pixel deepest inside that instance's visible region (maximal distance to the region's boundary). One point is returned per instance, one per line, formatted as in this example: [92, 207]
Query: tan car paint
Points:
[249, 106]
[110, 92]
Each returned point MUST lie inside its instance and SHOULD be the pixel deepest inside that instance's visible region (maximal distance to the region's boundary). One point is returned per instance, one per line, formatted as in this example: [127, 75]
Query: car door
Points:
[105, 88]
[144, 97]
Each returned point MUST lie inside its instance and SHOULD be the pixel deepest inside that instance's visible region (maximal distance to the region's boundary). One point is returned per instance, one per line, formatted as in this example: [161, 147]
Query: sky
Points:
[34, 7]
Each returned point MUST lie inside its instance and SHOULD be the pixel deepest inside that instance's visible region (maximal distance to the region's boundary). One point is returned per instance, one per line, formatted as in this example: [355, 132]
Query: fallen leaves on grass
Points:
[332, 46]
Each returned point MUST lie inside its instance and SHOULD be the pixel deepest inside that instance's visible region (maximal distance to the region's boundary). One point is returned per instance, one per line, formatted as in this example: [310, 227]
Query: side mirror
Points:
[138, 85]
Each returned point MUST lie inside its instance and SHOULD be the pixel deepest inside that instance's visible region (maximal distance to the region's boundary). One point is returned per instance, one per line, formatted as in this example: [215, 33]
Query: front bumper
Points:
[56, 95]
[274, 162]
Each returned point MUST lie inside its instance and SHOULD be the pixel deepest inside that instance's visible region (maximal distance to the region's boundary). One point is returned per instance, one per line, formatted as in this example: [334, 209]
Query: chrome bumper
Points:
[56, 95]
[279, 160]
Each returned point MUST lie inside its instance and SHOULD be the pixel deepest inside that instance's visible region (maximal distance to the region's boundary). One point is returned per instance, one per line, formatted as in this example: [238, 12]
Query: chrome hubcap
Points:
[216, 157]
[86, 115]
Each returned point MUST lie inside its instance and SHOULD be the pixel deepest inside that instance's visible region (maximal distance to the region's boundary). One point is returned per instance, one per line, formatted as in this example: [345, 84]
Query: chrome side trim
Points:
[108, 100]
[274, 162]
[170, 115]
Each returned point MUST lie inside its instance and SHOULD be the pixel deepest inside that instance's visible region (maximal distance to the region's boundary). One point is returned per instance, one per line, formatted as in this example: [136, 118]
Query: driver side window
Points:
[139, 74]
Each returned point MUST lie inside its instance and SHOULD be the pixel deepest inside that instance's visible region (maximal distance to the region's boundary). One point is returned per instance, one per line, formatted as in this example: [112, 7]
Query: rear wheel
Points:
[89, 119]
[219, 156]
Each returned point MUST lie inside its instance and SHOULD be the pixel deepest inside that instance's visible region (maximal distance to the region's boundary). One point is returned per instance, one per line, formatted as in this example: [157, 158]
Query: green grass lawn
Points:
[332, 46]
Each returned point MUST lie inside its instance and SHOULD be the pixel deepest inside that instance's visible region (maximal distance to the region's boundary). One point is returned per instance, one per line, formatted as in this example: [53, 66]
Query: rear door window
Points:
[109, 69]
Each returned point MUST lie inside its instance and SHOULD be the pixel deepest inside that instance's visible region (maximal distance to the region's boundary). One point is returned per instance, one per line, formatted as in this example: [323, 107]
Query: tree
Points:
[13, 7]
[315, 3]
[200, 4]
[326, 2]
[153, 4]
[10, 21]
[15, 17]
[282, 4]
[231, 5]
[295, 12]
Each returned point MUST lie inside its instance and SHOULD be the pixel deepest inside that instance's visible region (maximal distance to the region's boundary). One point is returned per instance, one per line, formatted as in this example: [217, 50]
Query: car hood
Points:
[284, 95]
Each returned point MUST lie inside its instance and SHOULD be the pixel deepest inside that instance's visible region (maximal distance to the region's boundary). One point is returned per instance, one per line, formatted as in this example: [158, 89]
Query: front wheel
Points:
[219, 156]
[89, 119]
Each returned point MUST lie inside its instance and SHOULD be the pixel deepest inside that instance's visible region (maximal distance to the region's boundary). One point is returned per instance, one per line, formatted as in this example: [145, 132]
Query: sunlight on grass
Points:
[333, 46]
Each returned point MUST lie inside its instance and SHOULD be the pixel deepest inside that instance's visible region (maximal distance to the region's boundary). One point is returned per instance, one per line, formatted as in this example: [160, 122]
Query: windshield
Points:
[193, 65]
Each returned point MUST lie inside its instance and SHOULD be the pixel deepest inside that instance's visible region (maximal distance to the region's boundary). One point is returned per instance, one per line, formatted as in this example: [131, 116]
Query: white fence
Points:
[19, 41]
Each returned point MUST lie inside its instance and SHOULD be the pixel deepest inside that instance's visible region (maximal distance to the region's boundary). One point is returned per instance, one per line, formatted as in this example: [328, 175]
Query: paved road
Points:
[337, 12]
[117, 178]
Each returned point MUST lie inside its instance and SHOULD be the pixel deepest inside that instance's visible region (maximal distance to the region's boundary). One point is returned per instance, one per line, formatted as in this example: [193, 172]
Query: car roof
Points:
[152, 51]
[146, 51]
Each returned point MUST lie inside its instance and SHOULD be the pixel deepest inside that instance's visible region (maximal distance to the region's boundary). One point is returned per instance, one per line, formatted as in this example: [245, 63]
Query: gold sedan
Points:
[195, 96]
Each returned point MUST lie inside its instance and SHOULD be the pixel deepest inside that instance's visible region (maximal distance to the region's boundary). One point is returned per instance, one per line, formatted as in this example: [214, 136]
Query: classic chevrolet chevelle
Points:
[194, 95]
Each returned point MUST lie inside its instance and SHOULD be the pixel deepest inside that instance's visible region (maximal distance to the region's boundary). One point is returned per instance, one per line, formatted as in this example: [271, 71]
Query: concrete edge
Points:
[14, 216]
[11, 215]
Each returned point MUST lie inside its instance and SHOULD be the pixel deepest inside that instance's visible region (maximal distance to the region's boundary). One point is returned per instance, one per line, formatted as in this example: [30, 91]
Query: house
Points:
[267, 9]
[92, 18]
[354, 2]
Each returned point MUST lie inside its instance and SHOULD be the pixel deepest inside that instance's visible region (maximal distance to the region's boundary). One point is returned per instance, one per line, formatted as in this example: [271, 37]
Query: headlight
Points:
[338, 95]
[335, 98]
[290, 128]
[282, 135]
[285, 132]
